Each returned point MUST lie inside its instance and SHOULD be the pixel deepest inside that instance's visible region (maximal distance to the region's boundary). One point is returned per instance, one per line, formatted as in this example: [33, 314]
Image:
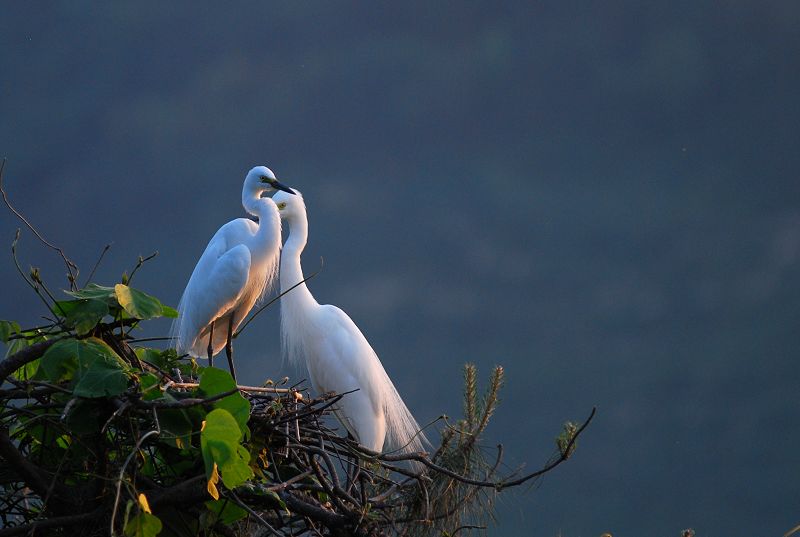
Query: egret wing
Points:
[215, 285]
[357, 355]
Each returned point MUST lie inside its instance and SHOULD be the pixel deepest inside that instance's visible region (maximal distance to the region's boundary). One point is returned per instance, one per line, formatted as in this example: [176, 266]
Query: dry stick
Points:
[21, 273]
[139, 442]
[330, 519]
[255, 389]
[33, 475]
[470, 494]
[563, 456]
[145, 339]
[142, 261]
[290, 481]
[268, 304]
[250, 510]
[468, 527]
[67, 261]
[314, 410]
[24, 356]
[497, 485]
[37, 331]
[97, 264]
[57, 522]
[183, 403]
[418, 433]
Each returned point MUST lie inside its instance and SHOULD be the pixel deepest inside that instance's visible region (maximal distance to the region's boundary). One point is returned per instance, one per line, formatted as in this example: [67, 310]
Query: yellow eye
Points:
[282, 205]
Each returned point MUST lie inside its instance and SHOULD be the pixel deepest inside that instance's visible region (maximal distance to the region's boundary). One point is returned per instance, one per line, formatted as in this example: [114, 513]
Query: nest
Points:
[138, 462]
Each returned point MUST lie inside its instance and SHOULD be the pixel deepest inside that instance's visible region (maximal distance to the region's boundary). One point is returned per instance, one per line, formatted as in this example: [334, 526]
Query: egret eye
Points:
[265, 179]
[282, 205]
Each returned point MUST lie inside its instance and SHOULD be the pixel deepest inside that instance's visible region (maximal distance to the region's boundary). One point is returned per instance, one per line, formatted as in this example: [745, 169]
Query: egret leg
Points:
[229, 347]
[211, 346]
[362, 478]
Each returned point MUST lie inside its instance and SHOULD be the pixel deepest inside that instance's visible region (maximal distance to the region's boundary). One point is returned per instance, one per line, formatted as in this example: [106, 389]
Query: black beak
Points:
[277, 185]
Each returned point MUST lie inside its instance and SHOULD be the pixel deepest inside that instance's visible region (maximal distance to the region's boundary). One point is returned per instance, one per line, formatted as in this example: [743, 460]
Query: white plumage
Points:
[237, 267]
[338, 357]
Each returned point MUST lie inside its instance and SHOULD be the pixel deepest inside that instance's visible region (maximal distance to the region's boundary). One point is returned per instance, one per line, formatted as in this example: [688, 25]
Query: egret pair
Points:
[239, 266]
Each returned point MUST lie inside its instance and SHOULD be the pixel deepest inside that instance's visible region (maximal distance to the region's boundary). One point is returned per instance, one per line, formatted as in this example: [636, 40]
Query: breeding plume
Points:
[338, 357]
[234, 272]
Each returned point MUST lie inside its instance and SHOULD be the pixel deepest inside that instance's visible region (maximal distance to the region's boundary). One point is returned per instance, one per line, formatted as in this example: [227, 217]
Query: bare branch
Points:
[139, 263]
[24, 356]
[55, 522]
[97, 264]
[70, 265]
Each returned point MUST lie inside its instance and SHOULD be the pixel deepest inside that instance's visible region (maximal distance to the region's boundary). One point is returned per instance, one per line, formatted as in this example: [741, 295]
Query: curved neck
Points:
[291, 270]
[253, 203]
[269, 219]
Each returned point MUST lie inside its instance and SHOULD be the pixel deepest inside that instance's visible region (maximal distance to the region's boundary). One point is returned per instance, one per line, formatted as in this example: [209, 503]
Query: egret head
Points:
[290, 206]
[261, 179]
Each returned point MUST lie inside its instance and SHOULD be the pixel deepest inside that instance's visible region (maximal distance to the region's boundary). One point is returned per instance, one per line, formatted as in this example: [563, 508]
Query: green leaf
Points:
[102, 378]
[219, 442]
[8, 329]
[165, 359]
[16, 345]
[176, 426]
[149, 386]
[172, 313]
[94, 291]
[83, 314]
[28, 371]
[225, 511]
[138, 304]
[216, 381]
[93, 365]
[143, 525]
[31, 369]
[60, 361]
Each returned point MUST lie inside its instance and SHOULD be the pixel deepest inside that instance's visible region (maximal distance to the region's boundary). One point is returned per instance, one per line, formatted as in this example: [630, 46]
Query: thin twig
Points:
[70, 265]
[55, 522]
[139, 263]
[97, 264]
[268, 304]
[254, 389]
[183, 403]
[467, 527]
[139, 442]
[32, 284]
[255, 515]
[146, 339]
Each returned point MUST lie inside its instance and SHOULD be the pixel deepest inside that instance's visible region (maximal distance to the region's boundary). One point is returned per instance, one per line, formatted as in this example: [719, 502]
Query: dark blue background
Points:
[602, 197]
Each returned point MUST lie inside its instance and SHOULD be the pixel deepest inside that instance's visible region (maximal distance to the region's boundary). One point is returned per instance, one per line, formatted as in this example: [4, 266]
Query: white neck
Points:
[269, 219]
[291, 270]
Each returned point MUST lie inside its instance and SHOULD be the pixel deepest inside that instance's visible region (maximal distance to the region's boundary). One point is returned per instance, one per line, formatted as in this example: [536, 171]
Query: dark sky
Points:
[602, 197]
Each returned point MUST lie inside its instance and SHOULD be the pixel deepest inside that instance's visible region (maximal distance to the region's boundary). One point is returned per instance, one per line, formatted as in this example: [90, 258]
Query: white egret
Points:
[237, 267]
[338, 357]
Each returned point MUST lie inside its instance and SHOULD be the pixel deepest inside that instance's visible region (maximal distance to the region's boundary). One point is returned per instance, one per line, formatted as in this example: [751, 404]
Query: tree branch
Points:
[24, 356]
[33, 476]
[57, 522]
